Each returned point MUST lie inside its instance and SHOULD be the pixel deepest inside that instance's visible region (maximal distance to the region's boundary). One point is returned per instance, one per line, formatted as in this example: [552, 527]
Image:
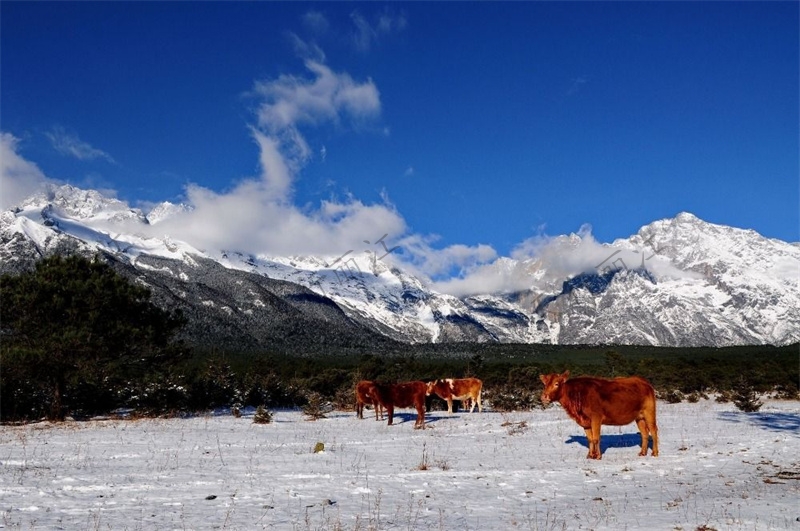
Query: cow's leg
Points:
[588, 441]
[478, 400]
[593, 434]
[390, 412]
[420, 423]
[644, 430]
[359, 410]
[449, 406]
[650, 421]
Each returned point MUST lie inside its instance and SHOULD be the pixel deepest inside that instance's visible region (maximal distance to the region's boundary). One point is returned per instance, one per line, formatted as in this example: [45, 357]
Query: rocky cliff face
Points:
[677, 282]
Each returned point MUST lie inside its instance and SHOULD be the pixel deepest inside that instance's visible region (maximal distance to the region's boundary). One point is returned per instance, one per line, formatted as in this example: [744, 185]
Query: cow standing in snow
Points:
[592, 402]
[366, 394]
[458, 389]
[407, 394]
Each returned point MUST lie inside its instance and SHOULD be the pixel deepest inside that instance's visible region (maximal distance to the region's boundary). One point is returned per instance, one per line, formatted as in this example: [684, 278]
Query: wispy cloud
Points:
[316, 22]
[19, 178]
[70, 145]
[290, 103]
[366, 33]
[306, 50]
[577, 84]
[258, 215]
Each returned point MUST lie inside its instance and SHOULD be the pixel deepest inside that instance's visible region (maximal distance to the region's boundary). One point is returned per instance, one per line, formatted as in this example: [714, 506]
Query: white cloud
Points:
[70, 145]
[276, 173]
[567, 256]
[432, 262]
[248, 219]
[290, 101]
[500, 276]
[19, 178]
[542, 263]
[258, 215]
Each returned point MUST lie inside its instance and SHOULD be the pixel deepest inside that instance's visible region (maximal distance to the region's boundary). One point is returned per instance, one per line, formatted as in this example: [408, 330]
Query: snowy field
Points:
[718, 469]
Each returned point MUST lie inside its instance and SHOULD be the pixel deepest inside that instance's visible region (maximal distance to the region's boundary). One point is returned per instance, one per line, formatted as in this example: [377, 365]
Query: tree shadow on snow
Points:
[621, 440]
[777, 422]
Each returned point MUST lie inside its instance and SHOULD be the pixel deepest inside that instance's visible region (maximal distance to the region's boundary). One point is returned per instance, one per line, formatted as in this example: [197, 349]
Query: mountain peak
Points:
[687, 217]
[81, 204]
[683, 281]
[165, 210]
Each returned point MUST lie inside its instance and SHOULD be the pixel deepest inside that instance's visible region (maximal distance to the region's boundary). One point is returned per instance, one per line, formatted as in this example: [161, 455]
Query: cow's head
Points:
[431, 387]
[552, 386]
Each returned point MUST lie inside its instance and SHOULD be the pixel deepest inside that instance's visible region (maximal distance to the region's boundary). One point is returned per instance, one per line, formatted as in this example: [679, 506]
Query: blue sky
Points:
[461, 129]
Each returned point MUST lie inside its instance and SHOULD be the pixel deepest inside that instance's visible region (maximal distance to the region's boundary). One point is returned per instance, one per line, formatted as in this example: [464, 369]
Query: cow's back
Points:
[401, 394]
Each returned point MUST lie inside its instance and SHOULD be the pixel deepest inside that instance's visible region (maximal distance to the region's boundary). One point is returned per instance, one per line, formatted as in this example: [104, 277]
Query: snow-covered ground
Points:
[719, 468]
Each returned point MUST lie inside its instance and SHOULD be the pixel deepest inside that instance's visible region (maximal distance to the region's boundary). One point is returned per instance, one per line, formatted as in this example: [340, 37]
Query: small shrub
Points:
[724, 397]
[262, 416]
[745, 397]
[344, 399]
[317, 407]
[787, 392]
[508, 398]
[319, 447]
[673, 397]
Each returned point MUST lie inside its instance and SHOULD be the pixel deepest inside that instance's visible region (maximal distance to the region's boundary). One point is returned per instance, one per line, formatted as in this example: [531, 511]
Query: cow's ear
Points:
[543, 378]
[566, 374]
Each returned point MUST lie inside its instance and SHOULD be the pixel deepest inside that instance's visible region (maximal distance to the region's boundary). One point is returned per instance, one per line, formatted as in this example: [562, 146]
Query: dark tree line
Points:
[72, 331]
[78, 339]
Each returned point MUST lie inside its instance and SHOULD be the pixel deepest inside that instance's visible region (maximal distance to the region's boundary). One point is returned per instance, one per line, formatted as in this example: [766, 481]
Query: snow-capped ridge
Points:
[166, 210]
[679, 281]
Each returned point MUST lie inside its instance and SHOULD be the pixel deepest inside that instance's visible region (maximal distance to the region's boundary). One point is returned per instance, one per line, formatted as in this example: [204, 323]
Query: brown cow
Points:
[592, 402]
[367, 395]
[408, 394]
[458, 389]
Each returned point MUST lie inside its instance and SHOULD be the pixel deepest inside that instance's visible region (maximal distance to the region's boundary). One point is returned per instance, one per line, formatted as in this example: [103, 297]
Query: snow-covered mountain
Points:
[677, 282]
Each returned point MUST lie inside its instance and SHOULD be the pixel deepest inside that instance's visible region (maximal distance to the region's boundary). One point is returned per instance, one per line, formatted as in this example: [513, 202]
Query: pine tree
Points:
[317, 407]
[262, 415]
[745, 397]
[73, 323]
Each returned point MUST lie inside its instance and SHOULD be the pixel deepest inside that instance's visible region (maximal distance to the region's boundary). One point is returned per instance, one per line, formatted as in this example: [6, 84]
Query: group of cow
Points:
[413, 394]
[591, 402]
